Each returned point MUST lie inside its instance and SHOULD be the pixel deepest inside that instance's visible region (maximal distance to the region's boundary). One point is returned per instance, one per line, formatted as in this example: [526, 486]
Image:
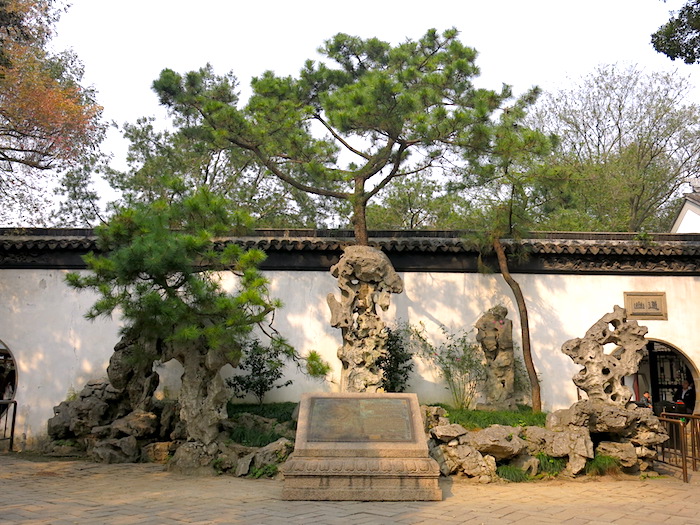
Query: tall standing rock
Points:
[366, 279]
[495, 334]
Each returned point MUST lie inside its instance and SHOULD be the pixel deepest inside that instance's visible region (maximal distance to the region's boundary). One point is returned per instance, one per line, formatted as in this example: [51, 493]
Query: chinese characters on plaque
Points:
[646, 305]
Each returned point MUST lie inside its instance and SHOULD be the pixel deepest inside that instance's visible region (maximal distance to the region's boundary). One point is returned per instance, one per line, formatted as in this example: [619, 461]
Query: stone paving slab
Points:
[76, 491]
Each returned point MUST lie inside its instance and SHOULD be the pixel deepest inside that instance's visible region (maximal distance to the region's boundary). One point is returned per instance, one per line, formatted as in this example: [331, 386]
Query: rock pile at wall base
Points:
[476, 454]
[99, 424]
[578, 433]
[629, 434]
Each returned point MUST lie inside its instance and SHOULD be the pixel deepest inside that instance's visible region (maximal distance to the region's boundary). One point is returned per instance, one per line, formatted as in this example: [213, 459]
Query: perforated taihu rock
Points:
[366, 279]
[602, 373]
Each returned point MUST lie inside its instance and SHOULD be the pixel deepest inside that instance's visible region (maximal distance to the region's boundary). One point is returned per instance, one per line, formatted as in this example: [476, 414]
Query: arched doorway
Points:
[662, 372]
[8, 375]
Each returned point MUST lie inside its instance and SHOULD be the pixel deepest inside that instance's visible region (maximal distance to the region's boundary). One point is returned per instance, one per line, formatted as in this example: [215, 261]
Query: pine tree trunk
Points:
[359, 211]
[359, 222]
[524, 324]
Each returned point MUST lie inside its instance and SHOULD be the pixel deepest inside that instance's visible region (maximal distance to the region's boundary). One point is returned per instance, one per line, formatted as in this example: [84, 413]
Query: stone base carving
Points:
[361, 479]
[361, 447]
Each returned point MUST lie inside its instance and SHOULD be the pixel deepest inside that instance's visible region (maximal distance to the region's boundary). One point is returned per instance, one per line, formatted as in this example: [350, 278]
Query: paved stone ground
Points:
[70, 492]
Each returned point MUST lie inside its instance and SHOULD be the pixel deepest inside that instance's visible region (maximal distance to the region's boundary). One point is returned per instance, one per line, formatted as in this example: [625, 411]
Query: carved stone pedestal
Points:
[361, 447]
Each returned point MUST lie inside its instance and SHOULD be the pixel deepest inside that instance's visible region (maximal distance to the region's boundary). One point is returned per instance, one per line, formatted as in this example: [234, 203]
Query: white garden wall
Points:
[57, 350]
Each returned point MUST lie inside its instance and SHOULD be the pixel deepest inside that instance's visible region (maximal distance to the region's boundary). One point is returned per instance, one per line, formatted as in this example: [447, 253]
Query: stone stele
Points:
[361, 447]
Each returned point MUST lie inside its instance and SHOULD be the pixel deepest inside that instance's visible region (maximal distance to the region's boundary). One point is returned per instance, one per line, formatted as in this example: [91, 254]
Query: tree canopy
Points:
[158, 265]
[680, 36]
[348, 125]
[183, 294]
[47, 118]
[186, 155]
[161, 267]
[628, 141]
[419, 202]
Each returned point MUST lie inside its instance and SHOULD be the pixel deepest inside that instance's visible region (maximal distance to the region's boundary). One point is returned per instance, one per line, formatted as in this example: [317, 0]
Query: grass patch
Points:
[511, 473]
[549, 465]
[478, 419]
[266, 471]
[282, 412]
[602, 465]
[252, 437]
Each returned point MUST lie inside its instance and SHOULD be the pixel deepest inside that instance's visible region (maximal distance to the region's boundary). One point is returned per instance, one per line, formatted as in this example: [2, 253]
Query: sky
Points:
[549, 43]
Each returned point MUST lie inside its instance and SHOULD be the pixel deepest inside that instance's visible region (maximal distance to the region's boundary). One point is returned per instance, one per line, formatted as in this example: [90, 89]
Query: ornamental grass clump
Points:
[549, 465]
[512, 473]
[459, 360]
[602, 465]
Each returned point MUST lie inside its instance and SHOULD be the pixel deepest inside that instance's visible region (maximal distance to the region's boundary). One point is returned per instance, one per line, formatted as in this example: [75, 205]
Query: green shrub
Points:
[602, 465]
[398, 364]
[264, 366]
[549, 465]
[267, 471]
[218, 466]
[512, 473]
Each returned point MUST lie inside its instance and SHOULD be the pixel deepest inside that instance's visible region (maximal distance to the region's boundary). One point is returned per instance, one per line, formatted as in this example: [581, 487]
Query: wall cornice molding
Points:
[432, 251]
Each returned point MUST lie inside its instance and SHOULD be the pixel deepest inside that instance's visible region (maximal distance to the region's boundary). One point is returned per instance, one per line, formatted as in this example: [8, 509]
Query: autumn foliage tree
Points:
[47, 119]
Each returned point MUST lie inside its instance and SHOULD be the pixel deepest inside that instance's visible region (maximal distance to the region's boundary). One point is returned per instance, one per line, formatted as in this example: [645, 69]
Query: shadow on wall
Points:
[452, 300]
[57, 350]
[549, 331]
[455, 301]
[304, 320]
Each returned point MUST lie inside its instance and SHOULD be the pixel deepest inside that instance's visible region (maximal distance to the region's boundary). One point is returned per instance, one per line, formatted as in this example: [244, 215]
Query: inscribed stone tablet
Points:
[360, 420]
